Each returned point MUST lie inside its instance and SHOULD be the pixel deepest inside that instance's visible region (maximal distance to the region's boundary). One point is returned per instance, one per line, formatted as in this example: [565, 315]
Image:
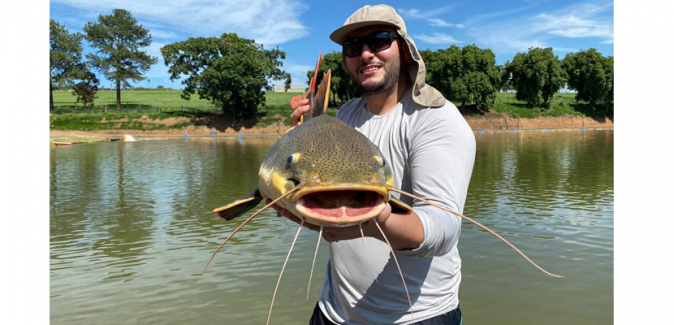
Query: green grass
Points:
[111, 121]
[146, 101]
[162, 104]
[562, 104]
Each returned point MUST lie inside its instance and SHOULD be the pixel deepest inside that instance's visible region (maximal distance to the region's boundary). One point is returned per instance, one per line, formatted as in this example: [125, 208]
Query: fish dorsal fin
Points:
[320, 105]
[312, 92]
[312, 84]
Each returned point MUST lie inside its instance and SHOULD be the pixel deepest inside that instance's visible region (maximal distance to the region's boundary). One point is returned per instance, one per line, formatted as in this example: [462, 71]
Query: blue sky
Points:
[301, 28]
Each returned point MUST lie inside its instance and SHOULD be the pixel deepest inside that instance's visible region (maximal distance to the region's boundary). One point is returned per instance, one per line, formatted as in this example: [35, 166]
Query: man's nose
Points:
[366, 53]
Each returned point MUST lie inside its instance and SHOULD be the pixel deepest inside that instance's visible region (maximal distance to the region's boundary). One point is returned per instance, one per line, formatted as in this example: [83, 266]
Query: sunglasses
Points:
[377, 41]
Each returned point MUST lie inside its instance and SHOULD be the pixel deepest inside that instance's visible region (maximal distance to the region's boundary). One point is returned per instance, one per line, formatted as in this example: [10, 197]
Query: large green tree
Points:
[467, 75]
[591, 75]
[65, 57]
[119, 39]
[341, 85]
[230, 71]
[482, 76]
[536, 75]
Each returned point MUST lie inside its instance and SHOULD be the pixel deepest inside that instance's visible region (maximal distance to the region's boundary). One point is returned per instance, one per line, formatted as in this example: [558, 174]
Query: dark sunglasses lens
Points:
[375, 42]
[352, 48]
[380, 42]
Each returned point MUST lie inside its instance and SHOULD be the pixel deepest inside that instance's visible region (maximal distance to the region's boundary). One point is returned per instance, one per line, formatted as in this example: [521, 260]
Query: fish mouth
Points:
[340, 208]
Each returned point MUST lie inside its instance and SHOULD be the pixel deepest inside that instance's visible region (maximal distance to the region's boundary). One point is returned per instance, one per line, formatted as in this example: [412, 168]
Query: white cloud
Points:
[269, 22]
[428, 16]
[158, 33]
[437, 22]
[521, 32]
[573, 27]
[459, 26]
[437, 38]
[412, 13]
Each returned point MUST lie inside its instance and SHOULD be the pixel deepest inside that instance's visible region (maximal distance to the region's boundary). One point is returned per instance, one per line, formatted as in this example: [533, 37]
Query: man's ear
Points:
[407, 56]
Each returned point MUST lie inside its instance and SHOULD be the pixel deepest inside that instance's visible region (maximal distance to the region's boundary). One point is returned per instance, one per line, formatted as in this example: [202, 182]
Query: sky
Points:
[302, 28]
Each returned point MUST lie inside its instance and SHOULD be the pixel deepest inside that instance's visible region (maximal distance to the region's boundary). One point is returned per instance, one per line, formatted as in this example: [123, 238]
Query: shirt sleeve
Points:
[441, 158]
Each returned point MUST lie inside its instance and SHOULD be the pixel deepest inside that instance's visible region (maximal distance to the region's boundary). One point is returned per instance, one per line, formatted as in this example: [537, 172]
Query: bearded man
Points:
[431, 150]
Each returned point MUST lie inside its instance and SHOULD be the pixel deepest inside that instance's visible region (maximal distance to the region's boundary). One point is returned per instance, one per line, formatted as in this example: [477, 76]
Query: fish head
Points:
[343, 178]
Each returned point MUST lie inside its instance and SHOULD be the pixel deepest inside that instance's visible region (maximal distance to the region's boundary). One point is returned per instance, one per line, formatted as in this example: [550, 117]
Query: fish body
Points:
[343, 178]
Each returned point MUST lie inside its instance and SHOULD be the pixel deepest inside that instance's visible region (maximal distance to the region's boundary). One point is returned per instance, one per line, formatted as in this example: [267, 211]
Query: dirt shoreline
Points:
[478, 124]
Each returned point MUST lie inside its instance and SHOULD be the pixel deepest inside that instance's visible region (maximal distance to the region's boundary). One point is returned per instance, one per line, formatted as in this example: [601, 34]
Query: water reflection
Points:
[131, 230]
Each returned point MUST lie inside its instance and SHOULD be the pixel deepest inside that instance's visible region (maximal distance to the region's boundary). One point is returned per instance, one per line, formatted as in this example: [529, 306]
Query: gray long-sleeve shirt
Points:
[431, 152]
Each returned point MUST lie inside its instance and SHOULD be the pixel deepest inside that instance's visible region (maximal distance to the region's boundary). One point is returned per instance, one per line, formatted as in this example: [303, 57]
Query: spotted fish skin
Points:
[327, 155]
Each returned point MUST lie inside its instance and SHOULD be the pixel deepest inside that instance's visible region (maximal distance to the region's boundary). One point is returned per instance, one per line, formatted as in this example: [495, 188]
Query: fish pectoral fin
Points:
[398, 206]
[239, 206]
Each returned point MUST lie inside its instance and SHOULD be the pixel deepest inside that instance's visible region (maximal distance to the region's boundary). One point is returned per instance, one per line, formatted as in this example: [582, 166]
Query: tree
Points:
[444, 71]
[119, 39]
[86, 89]
[481, 75]
[65, 56]
[287, 84]
[591, 74]
[536, 75]
[467, 75]
[230, 71]
[340, 82]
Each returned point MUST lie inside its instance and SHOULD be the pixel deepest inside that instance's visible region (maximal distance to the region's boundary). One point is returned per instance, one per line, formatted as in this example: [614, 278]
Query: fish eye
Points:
[380, 160]
[293, 158]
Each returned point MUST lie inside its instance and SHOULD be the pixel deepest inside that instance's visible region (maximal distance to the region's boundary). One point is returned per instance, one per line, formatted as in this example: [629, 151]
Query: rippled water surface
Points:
[131, 232]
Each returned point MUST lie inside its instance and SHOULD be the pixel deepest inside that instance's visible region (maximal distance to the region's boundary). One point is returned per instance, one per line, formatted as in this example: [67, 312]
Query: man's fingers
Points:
[300, 108]
[298, 221]
[292, 217]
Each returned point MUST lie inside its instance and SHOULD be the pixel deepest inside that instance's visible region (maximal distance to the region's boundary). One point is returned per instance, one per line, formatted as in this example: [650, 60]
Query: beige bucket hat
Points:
[422, 94]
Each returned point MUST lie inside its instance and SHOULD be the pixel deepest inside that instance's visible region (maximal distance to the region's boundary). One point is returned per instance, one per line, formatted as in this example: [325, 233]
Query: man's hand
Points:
[300, 108]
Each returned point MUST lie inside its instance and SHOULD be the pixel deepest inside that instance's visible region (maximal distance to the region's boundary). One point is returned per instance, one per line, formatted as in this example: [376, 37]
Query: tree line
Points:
[234, 72]
[470, 76]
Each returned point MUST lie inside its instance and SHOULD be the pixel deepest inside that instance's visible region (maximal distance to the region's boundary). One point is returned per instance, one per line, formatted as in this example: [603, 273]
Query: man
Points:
[431, 149]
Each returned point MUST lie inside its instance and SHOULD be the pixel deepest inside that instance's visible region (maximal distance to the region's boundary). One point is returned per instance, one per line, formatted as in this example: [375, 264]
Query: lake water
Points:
[131, 231]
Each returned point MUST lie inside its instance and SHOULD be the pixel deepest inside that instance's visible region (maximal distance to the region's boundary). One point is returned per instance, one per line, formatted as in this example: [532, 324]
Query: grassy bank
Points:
[150, 110]
[157, 110]
[150, 100]
[562, 104]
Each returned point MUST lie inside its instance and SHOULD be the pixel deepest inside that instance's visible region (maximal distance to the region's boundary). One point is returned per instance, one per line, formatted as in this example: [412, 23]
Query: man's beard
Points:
[385, 86]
